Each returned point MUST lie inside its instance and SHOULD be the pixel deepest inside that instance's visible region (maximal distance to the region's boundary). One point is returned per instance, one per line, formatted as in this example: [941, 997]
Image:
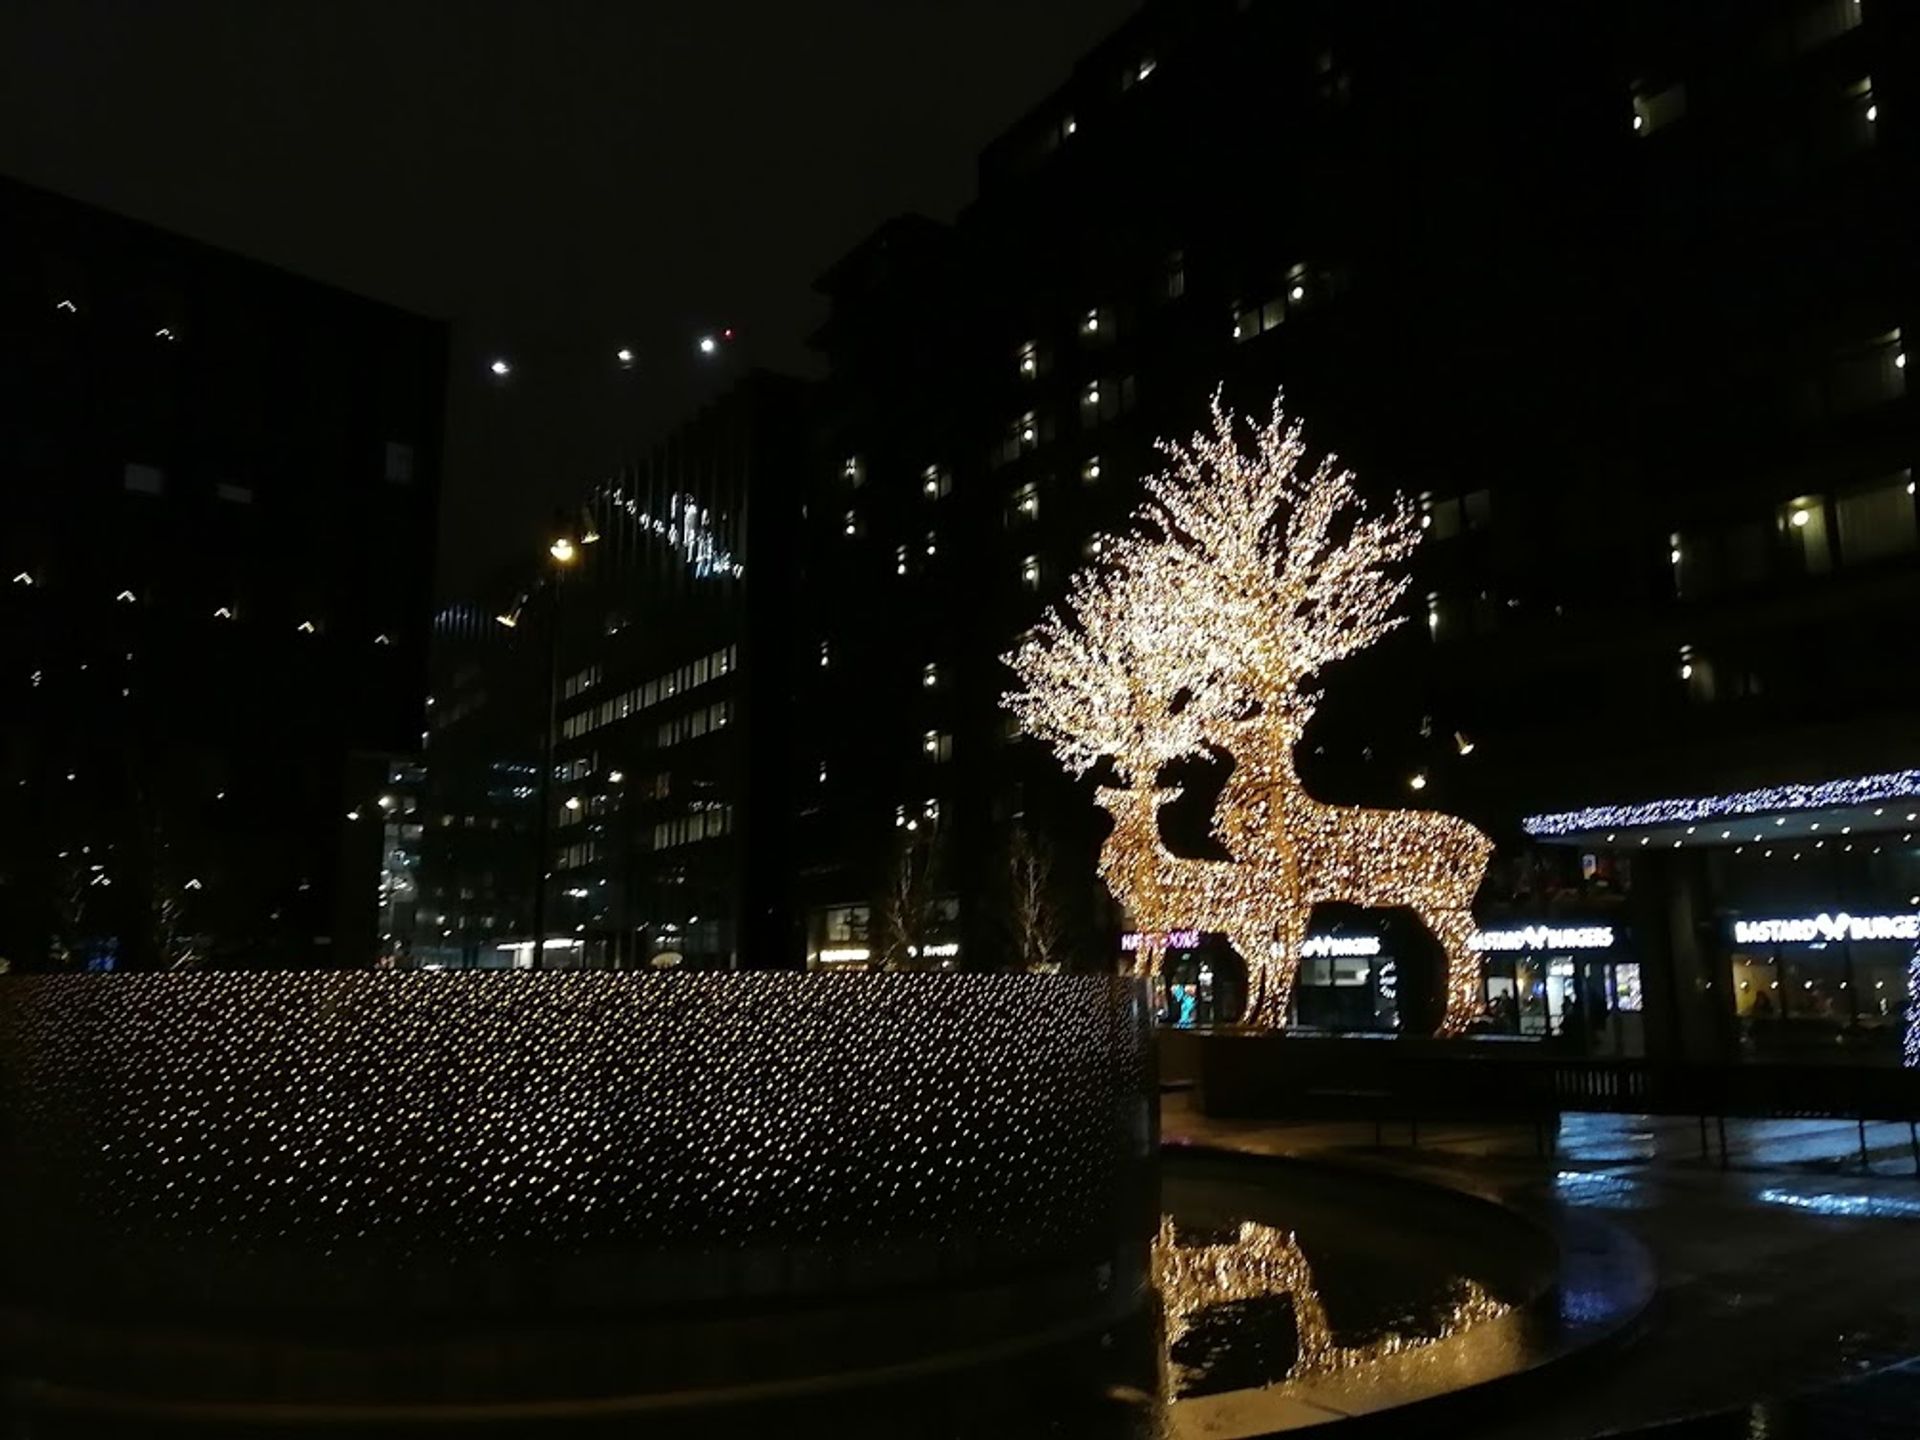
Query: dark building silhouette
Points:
[1617, 290]
[221, 483]
[656, 643]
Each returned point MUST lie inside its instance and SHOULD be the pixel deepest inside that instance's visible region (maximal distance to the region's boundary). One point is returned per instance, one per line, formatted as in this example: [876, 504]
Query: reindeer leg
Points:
[1454, 929]
[1269, 981]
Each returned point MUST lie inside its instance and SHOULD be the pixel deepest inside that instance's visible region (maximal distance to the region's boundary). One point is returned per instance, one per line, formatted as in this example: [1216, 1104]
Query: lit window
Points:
[933, 545]
[1069, 127]
[853, 470]
[826, 654]
[1090, 471]
[937, 746]
[1654, 110]
[1029, 361]
[1876, 520]
[1094, 547]
[900, 560]
[1802, 523]
[851, 527]
[822, 776]
[1090, 322]
[935, 482]
[930, 808]
[1030, 572]
[1144, 69]
[1025, 505]
[930, 677]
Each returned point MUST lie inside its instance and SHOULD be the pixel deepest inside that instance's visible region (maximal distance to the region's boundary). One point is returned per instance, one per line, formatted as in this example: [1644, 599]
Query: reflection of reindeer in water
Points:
[1262, 1261]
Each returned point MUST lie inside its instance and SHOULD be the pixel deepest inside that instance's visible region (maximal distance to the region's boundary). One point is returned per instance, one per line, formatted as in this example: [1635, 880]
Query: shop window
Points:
[1876, 520]
[1802, 524]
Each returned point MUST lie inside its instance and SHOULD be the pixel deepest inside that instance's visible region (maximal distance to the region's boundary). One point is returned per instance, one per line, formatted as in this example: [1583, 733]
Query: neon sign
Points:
[1545, 937]
[1823, 929]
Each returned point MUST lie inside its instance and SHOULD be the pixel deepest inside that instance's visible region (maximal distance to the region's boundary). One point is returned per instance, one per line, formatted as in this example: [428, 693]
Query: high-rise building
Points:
[218, 557]
[649, 659]
[1618, 292]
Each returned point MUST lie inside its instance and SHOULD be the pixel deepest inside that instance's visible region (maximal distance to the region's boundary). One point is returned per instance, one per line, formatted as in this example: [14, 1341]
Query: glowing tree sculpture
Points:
[1205, 630]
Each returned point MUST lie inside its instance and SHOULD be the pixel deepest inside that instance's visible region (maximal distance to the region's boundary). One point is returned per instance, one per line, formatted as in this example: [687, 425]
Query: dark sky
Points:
[557, 177]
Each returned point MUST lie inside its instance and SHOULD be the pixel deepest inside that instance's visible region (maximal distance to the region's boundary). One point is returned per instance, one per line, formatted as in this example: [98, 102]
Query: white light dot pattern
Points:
[299, 1120]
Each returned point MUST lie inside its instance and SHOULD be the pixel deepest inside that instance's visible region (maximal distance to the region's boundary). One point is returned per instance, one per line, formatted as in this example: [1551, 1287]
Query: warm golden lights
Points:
[1204, 630]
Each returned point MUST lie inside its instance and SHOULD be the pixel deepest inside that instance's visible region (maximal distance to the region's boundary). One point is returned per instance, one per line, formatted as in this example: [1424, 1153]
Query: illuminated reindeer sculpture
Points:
[1201, 632]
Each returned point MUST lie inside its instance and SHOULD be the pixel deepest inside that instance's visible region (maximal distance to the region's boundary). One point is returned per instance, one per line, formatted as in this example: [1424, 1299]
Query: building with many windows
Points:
[1618, 290]
[217, 556]
[649, 658]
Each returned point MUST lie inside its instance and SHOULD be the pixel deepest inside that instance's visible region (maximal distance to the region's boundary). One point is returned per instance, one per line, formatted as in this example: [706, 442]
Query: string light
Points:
[1910, 1046]
[258, 1113]
[1203, 629]
[1828, 794]
[1262, 1261]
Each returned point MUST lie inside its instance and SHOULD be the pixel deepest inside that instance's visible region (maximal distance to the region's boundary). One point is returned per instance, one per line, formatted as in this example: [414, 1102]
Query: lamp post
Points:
[563, 553]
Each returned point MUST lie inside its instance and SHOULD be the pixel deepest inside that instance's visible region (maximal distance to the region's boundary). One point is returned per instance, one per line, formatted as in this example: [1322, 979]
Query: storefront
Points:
[1781, 922]
[1576, 982]
[1821, 986]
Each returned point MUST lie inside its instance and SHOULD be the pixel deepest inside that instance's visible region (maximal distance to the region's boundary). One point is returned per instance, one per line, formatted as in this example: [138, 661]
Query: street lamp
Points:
[564, 553]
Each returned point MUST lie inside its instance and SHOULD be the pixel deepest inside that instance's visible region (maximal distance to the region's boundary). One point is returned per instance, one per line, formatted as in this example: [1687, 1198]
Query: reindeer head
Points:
[1137, 807]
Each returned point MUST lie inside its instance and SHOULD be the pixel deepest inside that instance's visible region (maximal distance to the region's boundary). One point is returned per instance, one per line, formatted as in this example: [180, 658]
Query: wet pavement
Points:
[1788, 1297]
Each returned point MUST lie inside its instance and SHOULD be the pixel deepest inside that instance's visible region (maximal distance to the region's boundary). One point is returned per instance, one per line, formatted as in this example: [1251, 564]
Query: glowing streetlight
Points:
[708, 344]
[563, 551]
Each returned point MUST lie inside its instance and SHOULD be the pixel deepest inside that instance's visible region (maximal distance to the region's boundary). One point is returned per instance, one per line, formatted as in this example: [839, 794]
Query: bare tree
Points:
[909, 909]
[1031, 914]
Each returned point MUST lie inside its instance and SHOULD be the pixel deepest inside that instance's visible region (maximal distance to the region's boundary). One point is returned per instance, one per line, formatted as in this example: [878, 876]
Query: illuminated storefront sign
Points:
[1171, 940]
[1321, 945]
[1545, 937]
[1824, 929]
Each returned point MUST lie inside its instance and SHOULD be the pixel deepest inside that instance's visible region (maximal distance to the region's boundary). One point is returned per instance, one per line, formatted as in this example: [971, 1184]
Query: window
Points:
[853, 470]
[1105, 400]
[932, 545]
[850, 527]
[930, 676]
[899, 559]
[1138, 72]
[1030, 572]
[1876, 520]
[1176, 275]
[1096, 324]
[1094, 547]
[1865, 375]
[233, 494]
[1090, 471]
[822, 774]
[1803, 526]
[1029, 361]
[1024, 508]
[1655, 109]
[937, 746]
[399, 466]
[843, 923]
[145, 479]
[935, 482]
[1819, 21]
[826, 654]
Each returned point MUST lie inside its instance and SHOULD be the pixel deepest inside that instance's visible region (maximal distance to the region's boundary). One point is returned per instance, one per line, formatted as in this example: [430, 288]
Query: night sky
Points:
[557, 178]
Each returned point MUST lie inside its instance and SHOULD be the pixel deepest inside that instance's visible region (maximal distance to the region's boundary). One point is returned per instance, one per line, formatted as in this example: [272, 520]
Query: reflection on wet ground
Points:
[1245, 1311]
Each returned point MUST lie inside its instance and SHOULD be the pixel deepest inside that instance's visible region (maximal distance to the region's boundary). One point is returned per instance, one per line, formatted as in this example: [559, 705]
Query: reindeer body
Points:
[1429, 862]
